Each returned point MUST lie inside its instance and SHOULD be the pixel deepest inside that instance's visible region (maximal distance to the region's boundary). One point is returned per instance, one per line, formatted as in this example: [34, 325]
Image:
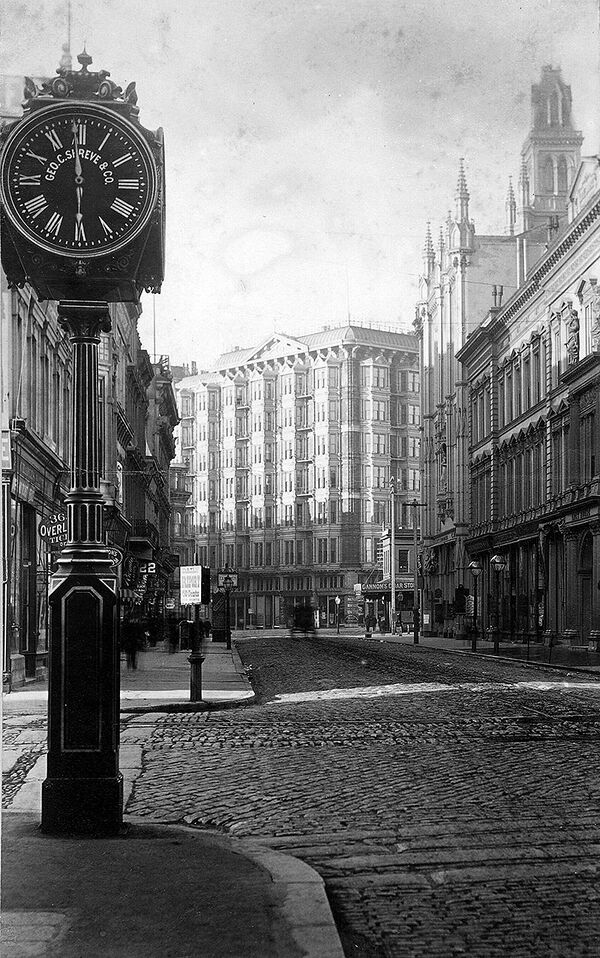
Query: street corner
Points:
[303, 905]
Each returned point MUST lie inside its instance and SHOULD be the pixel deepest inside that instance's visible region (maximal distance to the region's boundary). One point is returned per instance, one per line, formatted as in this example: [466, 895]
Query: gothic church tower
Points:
[550, 154]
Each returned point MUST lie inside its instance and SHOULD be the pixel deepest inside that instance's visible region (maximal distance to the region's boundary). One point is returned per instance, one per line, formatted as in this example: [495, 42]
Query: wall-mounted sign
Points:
[54, 529]
[6, 451]
[116, 556]
[131, 572]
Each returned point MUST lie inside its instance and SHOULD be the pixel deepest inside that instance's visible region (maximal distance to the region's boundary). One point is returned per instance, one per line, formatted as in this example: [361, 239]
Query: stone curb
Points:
[201, 706]
[306, 911]
[513, 661]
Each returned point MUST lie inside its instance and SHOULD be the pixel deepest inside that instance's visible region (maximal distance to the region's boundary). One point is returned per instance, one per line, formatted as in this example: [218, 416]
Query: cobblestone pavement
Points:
[451, 803]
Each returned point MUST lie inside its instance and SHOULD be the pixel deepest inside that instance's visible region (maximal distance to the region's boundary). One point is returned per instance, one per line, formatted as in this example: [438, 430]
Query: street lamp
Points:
[228, 584]
[498, 564]
[337, 612]
[476, 569]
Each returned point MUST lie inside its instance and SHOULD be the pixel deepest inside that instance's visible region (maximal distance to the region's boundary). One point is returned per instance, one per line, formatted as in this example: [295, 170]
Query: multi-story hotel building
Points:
[290, 446]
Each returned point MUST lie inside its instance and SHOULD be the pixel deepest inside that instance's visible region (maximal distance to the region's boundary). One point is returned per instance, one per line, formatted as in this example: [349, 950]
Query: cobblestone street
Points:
[459, 821]
[450, 802]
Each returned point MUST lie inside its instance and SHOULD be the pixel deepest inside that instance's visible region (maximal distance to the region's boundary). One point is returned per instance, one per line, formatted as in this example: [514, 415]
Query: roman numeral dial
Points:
[78, 181]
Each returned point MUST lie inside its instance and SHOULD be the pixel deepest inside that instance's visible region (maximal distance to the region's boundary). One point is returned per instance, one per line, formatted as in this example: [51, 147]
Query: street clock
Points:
[78, 180]
[82, 198]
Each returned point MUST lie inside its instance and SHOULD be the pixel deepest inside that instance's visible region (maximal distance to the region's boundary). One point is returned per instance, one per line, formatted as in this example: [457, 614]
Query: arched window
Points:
[562, 175]
[548, 174]
[554, 108]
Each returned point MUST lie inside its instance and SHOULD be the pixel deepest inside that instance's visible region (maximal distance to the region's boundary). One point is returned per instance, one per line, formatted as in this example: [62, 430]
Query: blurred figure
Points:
[303, 620]
[132, 640]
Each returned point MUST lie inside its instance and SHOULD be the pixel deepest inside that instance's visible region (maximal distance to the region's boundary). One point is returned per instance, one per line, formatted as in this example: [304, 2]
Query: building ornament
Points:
[572, 343]
[83, 85]
[442, 457]
[587, 400]
[595, 330]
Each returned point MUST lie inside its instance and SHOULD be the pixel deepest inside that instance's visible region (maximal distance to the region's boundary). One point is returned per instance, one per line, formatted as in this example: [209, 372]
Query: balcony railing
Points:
[143, 529]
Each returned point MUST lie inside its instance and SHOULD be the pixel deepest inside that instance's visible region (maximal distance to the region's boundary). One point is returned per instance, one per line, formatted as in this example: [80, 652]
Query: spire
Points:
[462, 194]
[428, 253]
[511, 209]
[441, 248]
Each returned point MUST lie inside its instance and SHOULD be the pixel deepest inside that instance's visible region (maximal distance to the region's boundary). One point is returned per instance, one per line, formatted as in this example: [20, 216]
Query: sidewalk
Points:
[561, 656]
[161, 682]
[154, 891]
[157, 892]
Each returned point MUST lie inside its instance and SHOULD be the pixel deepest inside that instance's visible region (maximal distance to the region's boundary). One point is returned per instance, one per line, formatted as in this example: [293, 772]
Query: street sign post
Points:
[190, 584]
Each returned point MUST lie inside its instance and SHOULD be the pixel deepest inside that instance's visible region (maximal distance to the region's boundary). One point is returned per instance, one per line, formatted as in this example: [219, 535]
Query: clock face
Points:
[78, 179]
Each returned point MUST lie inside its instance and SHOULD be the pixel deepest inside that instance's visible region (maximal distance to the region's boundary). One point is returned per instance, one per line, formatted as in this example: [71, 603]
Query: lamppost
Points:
[476, 570]
[498, 564]
[392, 555]
[337, 613]
[227, 586]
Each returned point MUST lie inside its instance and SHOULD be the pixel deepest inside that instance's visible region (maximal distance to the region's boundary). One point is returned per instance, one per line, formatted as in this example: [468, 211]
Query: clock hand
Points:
[78, 178]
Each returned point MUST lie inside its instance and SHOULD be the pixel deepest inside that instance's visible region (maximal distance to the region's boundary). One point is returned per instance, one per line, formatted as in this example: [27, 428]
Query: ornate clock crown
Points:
[82, 85]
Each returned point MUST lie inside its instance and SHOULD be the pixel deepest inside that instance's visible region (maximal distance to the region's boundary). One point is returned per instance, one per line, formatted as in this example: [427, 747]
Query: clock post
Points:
[82, 222]
[84, 788]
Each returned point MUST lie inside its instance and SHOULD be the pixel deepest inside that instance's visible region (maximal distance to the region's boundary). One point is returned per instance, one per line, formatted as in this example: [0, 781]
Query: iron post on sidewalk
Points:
[196, 659]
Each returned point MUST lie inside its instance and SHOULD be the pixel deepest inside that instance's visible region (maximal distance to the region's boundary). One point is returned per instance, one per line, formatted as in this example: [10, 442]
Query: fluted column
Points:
[84, 323]
[83, 792]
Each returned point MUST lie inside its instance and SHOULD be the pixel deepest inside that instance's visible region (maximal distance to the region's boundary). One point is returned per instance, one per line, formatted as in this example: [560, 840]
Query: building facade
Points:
[290, 447]
[465, 277]
[533, 370]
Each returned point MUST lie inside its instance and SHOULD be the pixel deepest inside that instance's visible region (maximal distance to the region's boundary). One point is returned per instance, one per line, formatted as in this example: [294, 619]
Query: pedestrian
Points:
[132, 640]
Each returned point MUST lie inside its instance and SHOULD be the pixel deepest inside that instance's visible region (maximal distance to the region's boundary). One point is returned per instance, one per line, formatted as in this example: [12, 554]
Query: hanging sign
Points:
[190, 584]
[54, 529]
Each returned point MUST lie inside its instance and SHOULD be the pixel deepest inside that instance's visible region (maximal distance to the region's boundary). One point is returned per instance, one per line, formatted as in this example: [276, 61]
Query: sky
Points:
[309, 143]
